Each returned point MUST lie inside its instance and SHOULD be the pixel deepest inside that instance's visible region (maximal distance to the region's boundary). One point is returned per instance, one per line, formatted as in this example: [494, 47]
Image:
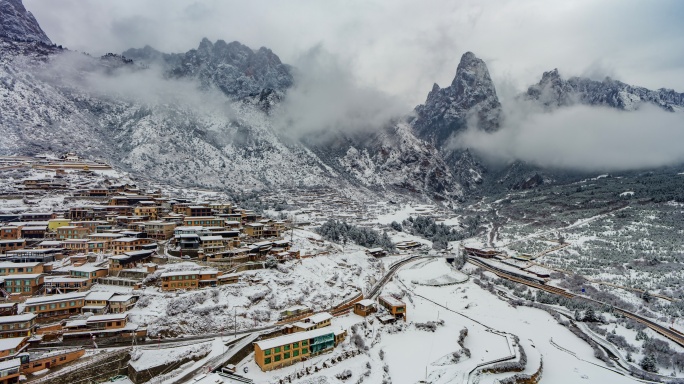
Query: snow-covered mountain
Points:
[16, 23]
[553, 91]
[202, 118]
[206, 118]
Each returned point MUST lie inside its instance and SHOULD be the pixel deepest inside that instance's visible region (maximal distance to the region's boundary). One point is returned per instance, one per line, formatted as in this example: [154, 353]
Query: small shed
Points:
[365, 307]
[376, 252]
[395, 306]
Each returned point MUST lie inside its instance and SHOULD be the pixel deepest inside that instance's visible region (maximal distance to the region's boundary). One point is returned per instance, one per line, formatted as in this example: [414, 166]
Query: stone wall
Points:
[147, 374]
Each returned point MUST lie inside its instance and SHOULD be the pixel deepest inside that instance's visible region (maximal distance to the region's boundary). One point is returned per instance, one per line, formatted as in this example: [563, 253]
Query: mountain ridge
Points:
[553, 91]
[223, 134]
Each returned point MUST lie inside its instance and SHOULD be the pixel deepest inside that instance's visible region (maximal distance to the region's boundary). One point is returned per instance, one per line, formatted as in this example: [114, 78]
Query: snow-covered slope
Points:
[202, 118]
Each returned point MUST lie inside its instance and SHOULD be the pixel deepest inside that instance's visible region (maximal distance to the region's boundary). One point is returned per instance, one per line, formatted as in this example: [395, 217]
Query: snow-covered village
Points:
[356, 192]
[183, 285]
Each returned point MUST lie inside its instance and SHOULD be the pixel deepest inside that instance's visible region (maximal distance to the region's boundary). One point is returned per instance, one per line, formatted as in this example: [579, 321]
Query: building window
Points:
[277, 358]
[267, 360]
[287, 347]
[287, 355]
[295, 345]
[277, 349]
[305, 351]
[295, 353]
[304, 343]
[267, 352]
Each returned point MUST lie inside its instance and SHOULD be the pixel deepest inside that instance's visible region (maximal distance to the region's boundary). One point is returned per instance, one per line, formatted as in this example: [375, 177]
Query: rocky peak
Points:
[18, 24]
[234, 68]
[551, 91]
[551, 76]
[471, 98]
[205, 45]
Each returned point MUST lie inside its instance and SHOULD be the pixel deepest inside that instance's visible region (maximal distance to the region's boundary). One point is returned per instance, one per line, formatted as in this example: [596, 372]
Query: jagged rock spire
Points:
[471, 97]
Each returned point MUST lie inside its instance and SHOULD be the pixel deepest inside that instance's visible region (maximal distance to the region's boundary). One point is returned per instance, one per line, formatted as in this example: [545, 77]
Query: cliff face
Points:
[18, 24]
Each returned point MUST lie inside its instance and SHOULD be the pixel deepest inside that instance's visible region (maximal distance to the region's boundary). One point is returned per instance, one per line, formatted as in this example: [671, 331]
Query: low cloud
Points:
[328, 99]
[584, 138]
[130, 83]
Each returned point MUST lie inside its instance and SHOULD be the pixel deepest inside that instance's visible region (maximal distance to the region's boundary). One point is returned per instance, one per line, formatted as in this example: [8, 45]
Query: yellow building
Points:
[172, 281]
[159, 230]
[396, 307]
[286, 350]
[203, 221]
[9, 268]
[17, 326]
[56, 223]
[72, 232]
[316, 321]
[55, 306]
[254, 230]
[152, 212]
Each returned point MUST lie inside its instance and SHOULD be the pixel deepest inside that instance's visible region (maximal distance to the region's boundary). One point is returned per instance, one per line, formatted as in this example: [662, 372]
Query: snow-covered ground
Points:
[410, 355]
[318, 282]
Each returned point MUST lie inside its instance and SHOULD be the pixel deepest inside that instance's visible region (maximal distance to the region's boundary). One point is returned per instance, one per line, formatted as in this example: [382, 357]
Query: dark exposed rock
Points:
[470, 97]
[18, 24]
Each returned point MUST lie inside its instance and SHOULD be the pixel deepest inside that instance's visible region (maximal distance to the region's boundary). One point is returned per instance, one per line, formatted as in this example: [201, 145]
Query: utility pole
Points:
[234, 322]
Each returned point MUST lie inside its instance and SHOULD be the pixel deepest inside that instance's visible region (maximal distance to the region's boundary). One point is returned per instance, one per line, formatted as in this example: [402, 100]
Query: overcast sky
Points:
[400, 47]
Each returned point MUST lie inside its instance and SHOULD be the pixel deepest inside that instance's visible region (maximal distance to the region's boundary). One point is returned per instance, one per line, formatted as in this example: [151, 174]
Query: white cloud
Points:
[400, 46]
[585, 138]
[326, 98]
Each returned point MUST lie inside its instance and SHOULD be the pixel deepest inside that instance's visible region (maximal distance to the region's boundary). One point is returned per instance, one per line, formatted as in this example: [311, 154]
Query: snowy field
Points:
[409, 355]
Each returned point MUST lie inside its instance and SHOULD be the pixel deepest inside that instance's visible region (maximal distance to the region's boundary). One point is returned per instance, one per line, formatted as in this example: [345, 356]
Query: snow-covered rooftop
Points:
[58, 297]
[17, 318]
[9, 364]
[108, 317]
[319, 317]
[393, 301]
[366, 302]
[87, 268]
[294, 337]
[99, 296]
[181, 273]
[10, 343]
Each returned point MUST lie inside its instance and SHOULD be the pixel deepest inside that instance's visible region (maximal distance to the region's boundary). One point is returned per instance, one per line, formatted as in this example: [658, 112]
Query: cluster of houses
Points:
[50, 261]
